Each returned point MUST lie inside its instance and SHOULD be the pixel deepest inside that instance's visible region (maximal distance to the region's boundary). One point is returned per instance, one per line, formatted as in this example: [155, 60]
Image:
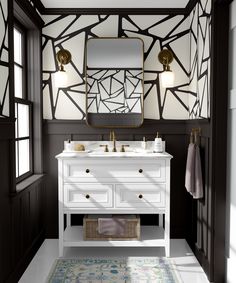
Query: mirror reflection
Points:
[114, 82]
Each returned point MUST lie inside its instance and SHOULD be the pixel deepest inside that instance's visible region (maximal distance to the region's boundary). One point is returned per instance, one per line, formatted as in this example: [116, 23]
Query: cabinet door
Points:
[88, 195]
[140, 195]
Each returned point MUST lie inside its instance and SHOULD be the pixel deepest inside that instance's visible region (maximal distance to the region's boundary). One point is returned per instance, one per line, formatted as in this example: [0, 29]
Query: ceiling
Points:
[115, 3]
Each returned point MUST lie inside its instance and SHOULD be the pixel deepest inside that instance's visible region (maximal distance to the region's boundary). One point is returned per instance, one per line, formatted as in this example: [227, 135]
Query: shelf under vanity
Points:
[151, 236]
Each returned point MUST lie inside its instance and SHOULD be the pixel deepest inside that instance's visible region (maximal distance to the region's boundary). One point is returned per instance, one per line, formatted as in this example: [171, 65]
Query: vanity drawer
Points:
[88, 195]
[140, 195]
[95, 170]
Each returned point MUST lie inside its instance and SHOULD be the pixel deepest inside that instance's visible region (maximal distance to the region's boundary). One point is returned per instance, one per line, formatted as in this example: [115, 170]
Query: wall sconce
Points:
[167, 77]
[63, 57]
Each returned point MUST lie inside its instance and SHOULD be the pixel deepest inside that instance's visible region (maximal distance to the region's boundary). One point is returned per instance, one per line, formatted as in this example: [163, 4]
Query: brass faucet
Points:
[113, 138]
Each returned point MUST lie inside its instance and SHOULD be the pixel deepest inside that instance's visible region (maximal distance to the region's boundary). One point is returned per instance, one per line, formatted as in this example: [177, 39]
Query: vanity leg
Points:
[160, 220]
[61, 231]
[167, 210]
[68, 220]
[60, 210]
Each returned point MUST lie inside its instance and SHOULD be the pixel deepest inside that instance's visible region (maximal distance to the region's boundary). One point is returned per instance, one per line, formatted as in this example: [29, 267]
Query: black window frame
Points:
[24, 101]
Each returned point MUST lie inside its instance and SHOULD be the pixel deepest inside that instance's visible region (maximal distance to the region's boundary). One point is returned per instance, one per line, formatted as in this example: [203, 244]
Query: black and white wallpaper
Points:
[114, 91]
[34, 6]
[189, 98]
[4, 60]
[157, 31]
[200, 60]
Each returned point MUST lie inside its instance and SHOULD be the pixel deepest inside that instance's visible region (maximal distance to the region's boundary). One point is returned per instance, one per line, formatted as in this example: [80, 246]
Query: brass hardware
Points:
[63, 57]
[195, 135]
[123, 147]
[140, 196]
[87, 170]
[106, 147]
[140, 170]
[165, 57]
[87, 196]
[113, 138]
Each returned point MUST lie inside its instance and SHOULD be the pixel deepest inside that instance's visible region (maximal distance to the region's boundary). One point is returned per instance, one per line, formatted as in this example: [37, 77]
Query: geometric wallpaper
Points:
[157, 31]
[114, 91]
[189, 98]
[200, 60]
[4, 60]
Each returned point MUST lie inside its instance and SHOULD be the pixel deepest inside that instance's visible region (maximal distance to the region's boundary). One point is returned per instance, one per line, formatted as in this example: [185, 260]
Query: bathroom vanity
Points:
[97, 182]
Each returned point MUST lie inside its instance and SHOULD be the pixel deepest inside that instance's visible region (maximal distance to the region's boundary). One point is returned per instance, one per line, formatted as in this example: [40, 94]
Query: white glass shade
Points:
[167, 79]
[61, 79]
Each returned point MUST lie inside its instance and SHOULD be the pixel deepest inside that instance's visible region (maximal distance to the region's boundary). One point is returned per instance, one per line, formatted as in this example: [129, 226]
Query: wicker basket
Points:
[90, 228]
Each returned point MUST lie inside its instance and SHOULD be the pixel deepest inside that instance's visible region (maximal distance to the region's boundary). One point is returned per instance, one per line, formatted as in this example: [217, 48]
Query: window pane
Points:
[17, 47]
[18, 82]
[24, 162]
[23, 120]
[17, 169]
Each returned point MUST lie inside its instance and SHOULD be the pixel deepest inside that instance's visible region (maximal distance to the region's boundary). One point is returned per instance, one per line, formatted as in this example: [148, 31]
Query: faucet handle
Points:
[106, 147]
[123, 147]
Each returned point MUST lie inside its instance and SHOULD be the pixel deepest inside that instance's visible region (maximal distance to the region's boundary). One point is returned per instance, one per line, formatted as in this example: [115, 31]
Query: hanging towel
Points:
[111, 226]
[190, 169]
[193, 175]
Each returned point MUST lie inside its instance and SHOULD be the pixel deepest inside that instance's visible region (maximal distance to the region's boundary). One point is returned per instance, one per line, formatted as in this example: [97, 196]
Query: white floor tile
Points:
[181, 254]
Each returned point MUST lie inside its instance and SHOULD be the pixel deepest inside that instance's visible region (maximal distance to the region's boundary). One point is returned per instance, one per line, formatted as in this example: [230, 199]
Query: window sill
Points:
[28, 182]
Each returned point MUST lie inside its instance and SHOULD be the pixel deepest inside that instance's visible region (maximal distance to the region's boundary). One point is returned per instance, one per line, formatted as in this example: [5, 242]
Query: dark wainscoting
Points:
[21, 214]
[176, 134]
[200, 215]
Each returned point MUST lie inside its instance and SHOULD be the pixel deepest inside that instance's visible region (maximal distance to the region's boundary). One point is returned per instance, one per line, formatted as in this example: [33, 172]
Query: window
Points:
[23, 107]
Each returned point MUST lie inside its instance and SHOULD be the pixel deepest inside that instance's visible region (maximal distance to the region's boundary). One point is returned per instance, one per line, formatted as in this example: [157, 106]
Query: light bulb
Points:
[61, 79]
[167, 79]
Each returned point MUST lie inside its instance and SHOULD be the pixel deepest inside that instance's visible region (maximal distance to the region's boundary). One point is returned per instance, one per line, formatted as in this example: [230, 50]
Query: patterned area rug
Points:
[117, 270]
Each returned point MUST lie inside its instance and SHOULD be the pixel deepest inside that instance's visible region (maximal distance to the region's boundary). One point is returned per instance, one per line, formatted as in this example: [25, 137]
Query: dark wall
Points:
[190, 219]
[21, 218]
[174, 132]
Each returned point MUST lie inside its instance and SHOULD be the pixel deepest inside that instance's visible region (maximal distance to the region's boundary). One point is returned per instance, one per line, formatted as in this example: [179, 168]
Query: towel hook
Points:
[194, 136]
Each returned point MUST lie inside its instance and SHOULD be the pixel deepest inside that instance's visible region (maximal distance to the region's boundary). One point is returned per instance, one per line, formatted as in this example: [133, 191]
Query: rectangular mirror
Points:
[114, 82]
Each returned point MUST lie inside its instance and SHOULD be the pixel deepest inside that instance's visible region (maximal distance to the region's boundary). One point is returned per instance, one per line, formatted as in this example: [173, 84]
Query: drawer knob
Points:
[140, 170]
[87, 196]
[87, 170]
[140, 196]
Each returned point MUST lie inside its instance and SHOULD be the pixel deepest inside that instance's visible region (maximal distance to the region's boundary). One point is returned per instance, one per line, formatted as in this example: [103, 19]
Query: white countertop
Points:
[93, 150]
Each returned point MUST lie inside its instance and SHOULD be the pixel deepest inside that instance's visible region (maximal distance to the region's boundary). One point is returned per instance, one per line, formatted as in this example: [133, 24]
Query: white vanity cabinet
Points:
[136, 184]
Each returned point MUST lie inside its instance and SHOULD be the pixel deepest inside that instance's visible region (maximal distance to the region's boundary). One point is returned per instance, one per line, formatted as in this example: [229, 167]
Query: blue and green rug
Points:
[117, 270]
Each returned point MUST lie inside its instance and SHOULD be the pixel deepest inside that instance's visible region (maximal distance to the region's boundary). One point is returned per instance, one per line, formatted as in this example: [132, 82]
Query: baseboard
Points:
[26, 258]
[204, 262]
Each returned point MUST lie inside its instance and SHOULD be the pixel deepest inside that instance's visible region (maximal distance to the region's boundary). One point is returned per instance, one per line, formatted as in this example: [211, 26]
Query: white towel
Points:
[193, 175]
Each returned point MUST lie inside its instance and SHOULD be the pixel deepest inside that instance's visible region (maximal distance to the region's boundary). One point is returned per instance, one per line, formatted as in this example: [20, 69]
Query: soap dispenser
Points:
[157, 144]
[144, 144]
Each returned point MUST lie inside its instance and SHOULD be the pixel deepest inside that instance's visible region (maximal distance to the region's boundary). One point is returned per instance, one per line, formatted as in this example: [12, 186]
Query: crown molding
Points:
[115, 11]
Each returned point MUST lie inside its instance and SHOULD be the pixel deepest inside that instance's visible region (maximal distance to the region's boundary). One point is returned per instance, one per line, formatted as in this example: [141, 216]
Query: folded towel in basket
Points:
[111, 226]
